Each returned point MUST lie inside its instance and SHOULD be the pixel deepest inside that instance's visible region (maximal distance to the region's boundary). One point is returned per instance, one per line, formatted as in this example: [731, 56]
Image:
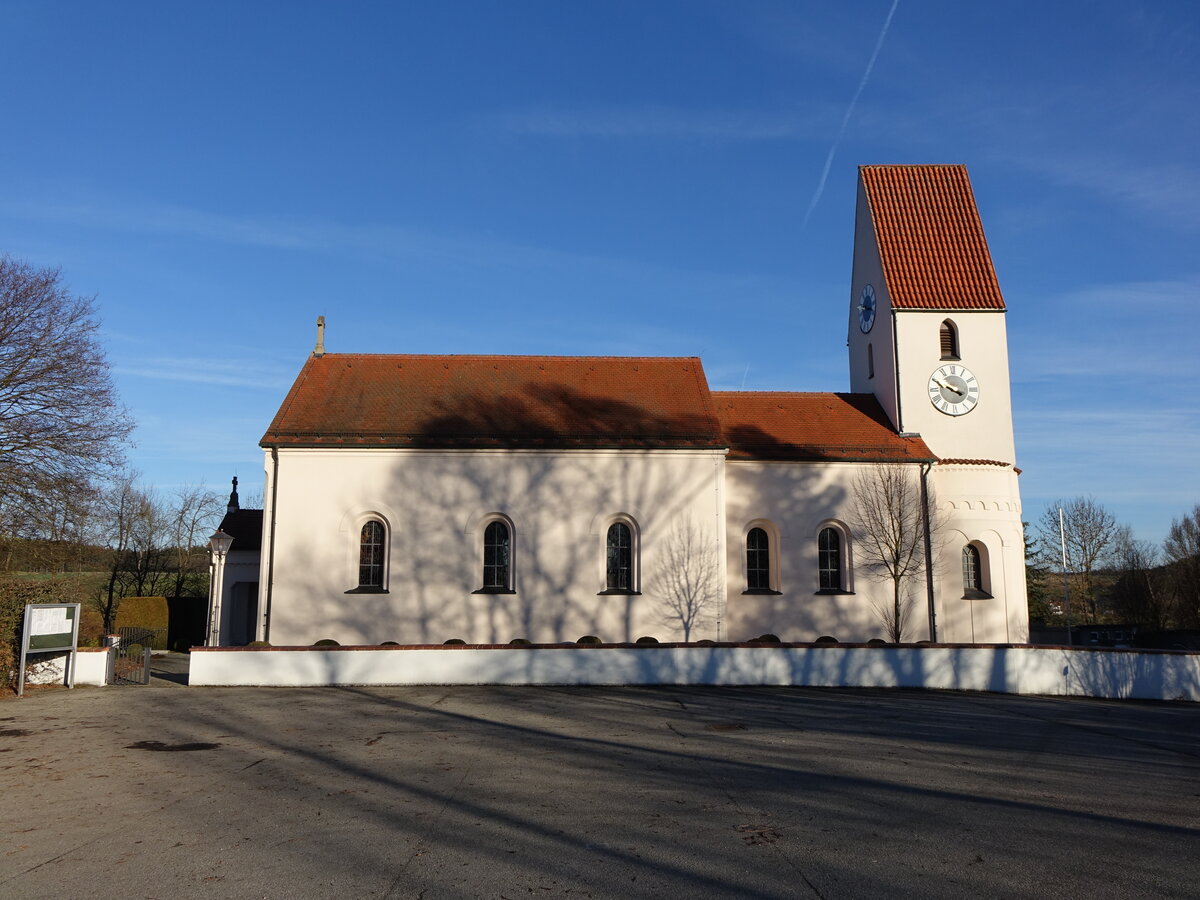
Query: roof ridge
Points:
[914, 166]
[499, 356]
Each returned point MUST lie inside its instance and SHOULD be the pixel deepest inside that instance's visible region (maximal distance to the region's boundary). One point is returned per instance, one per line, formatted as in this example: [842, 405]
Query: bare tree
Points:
[1139, 591]
[888, 519]
[1182, 552]
[60, 422]
[196, 511]
[54, 537]
[1092, 538]
[135, 529]
[688, 577]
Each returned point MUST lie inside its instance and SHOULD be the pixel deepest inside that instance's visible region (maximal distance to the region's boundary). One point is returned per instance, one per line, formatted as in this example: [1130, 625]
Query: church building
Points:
[417, 498]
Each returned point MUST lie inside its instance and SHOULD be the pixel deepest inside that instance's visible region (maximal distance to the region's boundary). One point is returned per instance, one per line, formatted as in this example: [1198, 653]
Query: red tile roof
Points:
[563, 402]
[812, 427]
[930, 238]
[497, 401]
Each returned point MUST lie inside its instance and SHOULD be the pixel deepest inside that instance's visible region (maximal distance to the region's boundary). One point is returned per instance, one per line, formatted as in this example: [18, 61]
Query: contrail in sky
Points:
[849, 111]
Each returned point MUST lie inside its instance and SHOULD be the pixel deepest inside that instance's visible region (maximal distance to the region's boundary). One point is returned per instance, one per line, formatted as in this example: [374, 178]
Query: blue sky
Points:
[609, 178]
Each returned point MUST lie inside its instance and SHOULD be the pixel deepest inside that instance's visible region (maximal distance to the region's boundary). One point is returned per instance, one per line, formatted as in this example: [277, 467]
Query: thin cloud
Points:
[1120, 332]
[1135, 296]
[663, 122]
[1109, 437]
[382, 241]
[1169, 191]
[1121, 448]
[228, 373]
[849, 112]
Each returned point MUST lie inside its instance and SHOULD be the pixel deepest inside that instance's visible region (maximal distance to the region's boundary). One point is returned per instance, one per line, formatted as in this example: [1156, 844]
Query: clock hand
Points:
[948, 387]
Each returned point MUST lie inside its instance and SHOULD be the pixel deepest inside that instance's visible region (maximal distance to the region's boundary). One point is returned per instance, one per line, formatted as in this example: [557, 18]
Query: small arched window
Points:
[371, 555]
[618, 558]
[829, 559]
[972, 565]
[870, 361]
[758, 560]
[949, 340]
[497, 556]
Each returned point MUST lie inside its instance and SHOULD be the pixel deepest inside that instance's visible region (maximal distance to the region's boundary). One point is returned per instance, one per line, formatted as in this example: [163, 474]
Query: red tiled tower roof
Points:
[385, 400]
[930, 238]
[824, 427]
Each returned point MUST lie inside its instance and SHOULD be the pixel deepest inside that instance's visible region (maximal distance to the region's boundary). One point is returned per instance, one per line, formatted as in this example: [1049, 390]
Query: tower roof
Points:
[930, 238]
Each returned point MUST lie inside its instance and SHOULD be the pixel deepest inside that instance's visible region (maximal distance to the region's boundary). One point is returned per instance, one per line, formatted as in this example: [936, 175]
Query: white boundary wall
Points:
[1120, 674]
[91, 667]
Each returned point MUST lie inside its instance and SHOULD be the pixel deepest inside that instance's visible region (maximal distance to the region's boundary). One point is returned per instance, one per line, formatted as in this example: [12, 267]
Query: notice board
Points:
[49, 628]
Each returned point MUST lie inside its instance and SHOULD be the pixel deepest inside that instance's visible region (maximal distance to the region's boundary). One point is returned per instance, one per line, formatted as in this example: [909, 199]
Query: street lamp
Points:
[218, 546]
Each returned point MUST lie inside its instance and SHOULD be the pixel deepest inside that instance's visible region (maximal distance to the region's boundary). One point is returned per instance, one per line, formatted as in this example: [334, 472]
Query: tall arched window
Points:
[972, 572]
[870, 361]
[371, 555]
[618, 558]
[829, 559]
[497, 556]
[949, 340]
[758, 560]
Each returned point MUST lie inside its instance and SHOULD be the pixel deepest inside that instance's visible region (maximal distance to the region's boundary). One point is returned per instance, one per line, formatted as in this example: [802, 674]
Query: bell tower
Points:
[927, 338]
[927, 333]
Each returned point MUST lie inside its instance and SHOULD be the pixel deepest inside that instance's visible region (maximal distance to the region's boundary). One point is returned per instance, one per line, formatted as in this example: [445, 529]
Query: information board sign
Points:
[49, 628]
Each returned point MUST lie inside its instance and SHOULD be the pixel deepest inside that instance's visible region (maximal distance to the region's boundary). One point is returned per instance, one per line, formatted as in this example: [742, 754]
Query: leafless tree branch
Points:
[888, 523]
[61, 426]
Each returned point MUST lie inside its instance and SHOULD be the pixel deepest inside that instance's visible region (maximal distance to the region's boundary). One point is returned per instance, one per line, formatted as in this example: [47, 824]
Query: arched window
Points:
[497, 557]
[974, 587]
[371, 555]
[970, 568]
[758, 560]
[949, 340]
[829, 559]
[618, 558]
[870, 361]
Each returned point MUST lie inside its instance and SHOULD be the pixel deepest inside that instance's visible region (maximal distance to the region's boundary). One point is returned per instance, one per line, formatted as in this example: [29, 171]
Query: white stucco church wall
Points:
[434, 507]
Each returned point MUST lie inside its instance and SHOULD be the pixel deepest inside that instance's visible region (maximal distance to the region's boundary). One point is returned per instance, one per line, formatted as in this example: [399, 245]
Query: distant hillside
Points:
[21, 555]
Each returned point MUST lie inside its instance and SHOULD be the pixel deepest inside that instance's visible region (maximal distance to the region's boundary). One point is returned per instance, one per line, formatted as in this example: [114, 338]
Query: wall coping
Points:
[752, 645]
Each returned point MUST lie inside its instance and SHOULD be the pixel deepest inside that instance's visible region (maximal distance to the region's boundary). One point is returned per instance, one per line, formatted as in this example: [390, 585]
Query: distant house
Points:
[417, 498]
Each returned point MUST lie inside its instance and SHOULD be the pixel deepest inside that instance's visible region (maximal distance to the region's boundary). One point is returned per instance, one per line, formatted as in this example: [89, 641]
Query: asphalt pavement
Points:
[177, 792]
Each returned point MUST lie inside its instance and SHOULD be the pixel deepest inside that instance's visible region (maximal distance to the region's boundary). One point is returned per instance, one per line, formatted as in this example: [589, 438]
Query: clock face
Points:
[953, 389]
[866, 309]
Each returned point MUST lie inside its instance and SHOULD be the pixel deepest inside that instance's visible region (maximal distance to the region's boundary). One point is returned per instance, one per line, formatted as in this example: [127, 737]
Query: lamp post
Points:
[218, 546]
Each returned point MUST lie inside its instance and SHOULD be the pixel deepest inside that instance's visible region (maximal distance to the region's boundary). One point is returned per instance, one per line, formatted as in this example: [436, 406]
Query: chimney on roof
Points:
[319, 350]
[233, 499]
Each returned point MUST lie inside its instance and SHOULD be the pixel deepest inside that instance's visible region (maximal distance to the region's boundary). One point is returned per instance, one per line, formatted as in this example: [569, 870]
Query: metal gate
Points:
[129, 658]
